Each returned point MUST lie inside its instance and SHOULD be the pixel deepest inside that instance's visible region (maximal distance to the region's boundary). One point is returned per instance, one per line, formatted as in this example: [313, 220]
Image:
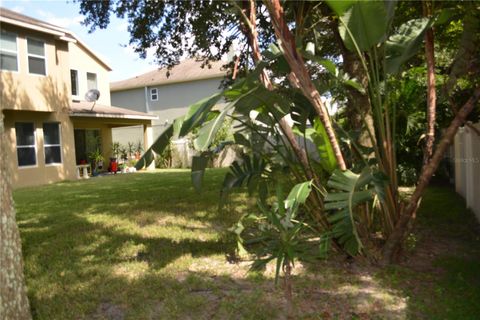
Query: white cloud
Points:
[64, 22]
[18, 9]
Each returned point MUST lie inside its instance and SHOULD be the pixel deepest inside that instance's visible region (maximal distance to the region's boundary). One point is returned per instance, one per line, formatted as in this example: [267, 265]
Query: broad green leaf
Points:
[354, 84]
[366, 22]
[340, 6]
[298, 194]
[328, 161]
[405, 43]
[158, 146]
[145, 160]
[241, 140]
[208, 131]
[199, 164]
[198, 112]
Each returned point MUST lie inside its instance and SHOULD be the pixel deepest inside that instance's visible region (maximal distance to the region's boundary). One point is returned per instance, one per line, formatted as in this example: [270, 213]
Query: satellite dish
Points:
[92, 95]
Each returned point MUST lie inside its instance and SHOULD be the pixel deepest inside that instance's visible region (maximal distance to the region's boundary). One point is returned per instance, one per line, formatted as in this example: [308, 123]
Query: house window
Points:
[8, 51]
[154, 94]
[36, 57]
[52, 145]
[91, 81]
[74, 82]
[26, 150]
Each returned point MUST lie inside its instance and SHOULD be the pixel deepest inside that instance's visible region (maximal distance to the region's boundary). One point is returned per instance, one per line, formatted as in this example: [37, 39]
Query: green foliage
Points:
[364, 23]
[405, 43]
[353, 190]
[282, 236]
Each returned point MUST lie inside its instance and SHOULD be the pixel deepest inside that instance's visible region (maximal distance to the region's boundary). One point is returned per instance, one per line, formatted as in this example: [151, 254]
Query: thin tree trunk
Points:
[394, 241]
[252, 36]
[300, 72]
[13, 296]
[431, 93]
[288, 290]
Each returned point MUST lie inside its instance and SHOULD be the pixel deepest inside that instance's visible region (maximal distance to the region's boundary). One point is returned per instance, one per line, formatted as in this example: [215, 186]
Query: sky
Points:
[108, 43]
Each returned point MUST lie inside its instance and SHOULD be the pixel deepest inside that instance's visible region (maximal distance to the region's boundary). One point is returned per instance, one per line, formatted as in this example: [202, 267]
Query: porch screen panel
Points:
[52, 144]
[26, 149]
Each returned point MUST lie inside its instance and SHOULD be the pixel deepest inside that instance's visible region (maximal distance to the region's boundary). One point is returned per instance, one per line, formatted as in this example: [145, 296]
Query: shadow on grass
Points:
[146, 246]
[441, 273]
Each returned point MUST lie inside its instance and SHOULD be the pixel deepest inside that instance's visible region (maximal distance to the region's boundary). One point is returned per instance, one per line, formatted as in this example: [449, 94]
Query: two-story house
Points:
[165, 93]
[45, 72]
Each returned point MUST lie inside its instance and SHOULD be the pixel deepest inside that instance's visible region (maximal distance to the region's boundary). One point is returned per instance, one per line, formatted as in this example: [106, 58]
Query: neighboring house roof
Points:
[185, 71]
[84, 109]
[15, 18]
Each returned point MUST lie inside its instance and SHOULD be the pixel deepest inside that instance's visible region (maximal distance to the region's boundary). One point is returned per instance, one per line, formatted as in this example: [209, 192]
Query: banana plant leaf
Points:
[199, 164]
[198, 113]
[353, 189]
[364, 23]
[157, 147]
[405, 43]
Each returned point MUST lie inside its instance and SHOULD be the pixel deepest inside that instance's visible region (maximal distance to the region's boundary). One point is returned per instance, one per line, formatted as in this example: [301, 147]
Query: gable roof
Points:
[15, 18]
[185, 71]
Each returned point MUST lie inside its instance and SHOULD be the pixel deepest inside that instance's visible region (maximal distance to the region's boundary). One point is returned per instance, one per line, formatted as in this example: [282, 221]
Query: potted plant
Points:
[97, 161]
[138, 150]
[131, 165]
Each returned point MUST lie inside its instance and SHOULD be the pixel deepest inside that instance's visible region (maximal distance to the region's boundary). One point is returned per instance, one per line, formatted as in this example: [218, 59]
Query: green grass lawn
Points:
[147, 246]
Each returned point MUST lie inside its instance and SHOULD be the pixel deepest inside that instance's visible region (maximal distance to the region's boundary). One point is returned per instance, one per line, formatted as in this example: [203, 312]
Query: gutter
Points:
[112, 116]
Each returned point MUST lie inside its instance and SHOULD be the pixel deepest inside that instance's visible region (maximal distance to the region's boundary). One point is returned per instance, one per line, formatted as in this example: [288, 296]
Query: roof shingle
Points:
[187, 70]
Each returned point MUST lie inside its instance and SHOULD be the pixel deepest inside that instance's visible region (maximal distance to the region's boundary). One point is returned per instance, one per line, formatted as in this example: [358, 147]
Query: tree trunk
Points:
[300, 72]
[431, 93]
[251, 33]
[288, 290]
[13, 295]
[395, 239]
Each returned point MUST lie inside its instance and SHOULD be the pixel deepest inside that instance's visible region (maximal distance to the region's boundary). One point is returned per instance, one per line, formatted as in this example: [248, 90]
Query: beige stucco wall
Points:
[82, 61]
[23, 91]
[41, 173]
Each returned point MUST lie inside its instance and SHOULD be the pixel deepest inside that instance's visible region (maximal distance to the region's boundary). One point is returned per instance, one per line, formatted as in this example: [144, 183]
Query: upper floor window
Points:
[36, 57]
[74, 82]
[52, 145]
[26, 148]
[91, 81]
[8, 51]
[154, 94]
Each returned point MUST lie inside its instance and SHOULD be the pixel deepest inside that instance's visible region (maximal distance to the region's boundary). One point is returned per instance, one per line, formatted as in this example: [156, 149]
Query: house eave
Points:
[112, 116]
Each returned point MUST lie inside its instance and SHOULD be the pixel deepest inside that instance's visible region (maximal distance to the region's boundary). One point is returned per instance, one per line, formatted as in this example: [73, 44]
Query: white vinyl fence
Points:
[466, 159]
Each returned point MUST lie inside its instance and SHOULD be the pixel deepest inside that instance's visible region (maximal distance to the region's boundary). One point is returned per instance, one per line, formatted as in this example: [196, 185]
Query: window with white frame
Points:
[26, 148]
[154, 94]
[74, 82]
[91, 81]
[36, 57]
[8, 51]
[52, 143]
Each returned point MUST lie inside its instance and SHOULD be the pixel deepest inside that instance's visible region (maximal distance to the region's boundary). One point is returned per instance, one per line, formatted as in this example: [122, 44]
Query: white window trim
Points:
[12, 52]
[44, 57]
[53, 145]
[77, 96]
[152, 94]
[28, 146]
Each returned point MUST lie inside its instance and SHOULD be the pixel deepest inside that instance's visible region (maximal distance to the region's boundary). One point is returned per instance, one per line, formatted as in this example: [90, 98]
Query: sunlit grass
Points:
[147, 246]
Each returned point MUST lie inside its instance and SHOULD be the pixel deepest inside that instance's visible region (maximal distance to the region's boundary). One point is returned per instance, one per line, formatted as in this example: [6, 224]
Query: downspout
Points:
[147, 107]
